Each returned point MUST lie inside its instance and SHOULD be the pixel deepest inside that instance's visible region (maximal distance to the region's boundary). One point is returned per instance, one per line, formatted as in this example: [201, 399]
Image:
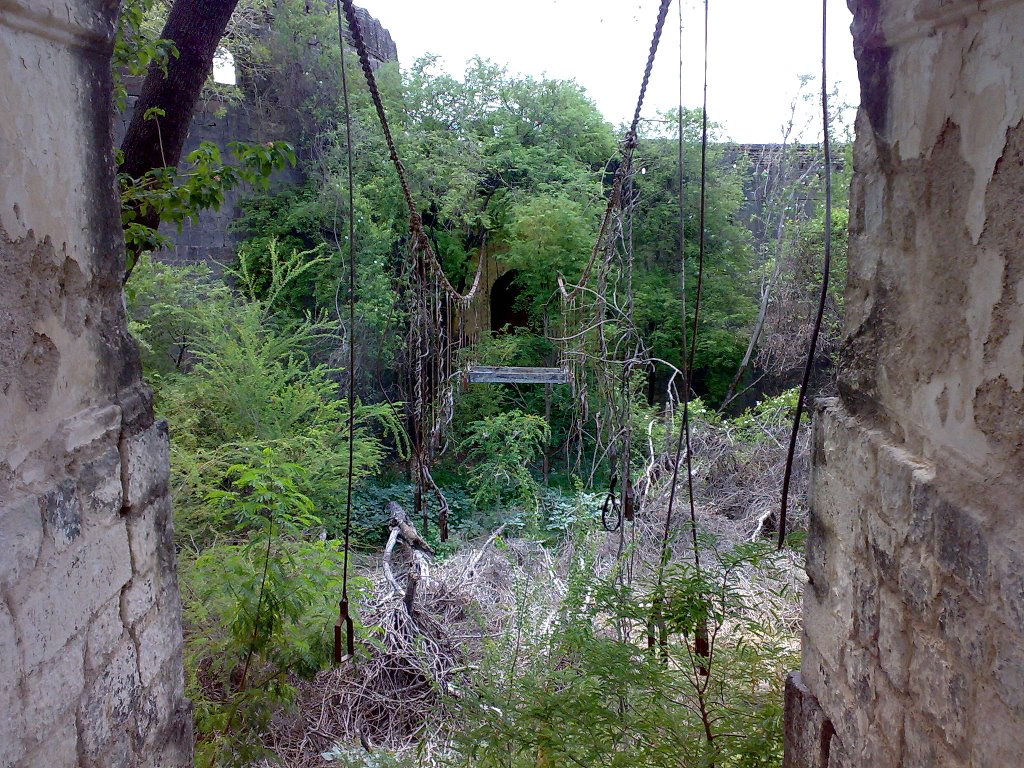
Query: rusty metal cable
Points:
[628, 144]
[684, 431]
[701, 636]
[651, 55]
[826, 268]
[421, 242]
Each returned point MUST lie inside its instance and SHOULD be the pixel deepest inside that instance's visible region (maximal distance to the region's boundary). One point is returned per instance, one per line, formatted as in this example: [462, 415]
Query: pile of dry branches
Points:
[391, 695]
[416, 650]
[737, 483]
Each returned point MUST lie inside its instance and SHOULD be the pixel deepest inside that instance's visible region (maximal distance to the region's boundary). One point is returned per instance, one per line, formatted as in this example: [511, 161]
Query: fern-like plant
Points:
[501, 449]
[259, 607]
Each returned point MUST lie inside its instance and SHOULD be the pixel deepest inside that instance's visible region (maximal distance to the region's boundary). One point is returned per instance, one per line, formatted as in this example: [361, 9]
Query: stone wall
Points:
[208, 239]
[275, 109]
[90, 619]
[913, 650]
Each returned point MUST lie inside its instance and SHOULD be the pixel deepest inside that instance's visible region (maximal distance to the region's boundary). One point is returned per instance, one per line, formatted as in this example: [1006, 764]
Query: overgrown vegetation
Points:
[544, 633]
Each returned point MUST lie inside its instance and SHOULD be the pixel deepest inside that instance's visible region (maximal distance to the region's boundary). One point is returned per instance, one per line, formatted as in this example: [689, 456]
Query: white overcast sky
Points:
[759, 48]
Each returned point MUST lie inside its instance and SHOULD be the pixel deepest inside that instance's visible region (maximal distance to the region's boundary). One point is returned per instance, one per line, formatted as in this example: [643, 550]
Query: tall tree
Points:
[163, 113]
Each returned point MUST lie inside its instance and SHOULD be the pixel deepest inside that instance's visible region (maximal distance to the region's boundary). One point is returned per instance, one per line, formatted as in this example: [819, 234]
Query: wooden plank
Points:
[501, 374]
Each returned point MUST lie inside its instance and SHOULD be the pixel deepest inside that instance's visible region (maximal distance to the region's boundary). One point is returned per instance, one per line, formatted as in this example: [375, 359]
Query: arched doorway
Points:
[507, 310]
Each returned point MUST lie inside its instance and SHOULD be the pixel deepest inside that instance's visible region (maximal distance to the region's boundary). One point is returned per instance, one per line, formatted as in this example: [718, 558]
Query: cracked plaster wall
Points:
[90, 619]
[913, 649]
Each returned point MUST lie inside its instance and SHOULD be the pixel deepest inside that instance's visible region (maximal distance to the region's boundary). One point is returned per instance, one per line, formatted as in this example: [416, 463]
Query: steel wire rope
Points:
[826, 268]
[569, 296]
[345, 616]
[421, 242]
[687, 372]
[628, 145]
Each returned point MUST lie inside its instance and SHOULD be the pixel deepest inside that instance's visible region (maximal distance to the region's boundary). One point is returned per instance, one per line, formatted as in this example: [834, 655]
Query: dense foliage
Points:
[246, 366]
[587, 691]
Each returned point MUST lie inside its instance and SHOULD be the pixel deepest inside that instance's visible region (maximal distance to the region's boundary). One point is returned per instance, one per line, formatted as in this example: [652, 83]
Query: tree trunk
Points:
[196, 28]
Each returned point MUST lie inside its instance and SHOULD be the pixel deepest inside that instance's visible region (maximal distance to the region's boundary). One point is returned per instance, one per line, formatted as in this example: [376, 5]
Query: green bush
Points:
[501, 449]
[259, 608]
[247, 384]
[586, 689]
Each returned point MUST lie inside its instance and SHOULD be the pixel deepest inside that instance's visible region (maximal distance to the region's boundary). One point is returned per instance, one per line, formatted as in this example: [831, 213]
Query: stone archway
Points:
[507, 311]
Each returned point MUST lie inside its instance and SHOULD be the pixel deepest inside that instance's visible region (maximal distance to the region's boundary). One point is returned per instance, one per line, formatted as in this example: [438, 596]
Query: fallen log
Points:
[419, 552]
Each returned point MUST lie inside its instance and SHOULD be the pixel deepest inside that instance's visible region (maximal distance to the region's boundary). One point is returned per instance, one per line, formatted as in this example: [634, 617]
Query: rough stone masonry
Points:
[913, 652]
[90, 619]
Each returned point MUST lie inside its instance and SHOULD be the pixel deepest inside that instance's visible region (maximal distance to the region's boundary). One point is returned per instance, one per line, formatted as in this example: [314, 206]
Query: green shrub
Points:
[259, 607]
[501, 449]
[248, 383]
[586, 690]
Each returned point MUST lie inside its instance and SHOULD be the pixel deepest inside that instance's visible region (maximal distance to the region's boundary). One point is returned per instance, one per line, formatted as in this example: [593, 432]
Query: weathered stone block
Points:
[100, 489]
[151, 535]
[895, 479]
[75, 584]
[93, 425]
[964, 626]
[137, 598]
[940, 687]
[1008, 671]
[838, 757]
[918, 583]
[808, 730]
[918, 528]
[106, 711]
[894, 649]
[865, 607]
[999, 732]
[116, 753]
[884, 544]
[58, 750]
[158, 642]
[962, 547]
[145, 465]
[884, 742]
[827, 628]
[12, 724]
[170, 746]
[153, 725]
[53, 689]
[21, 537]
[924, 746]
[1008, 577]
[106, 633]
[63, 515]
[859, 684]
[817, 562]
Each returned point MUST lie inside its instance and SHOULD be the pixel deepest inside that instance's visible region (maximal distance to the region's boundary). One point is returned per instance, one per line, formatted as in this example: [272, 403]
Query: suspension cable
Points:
[684, 432]
[421, 242]
[826, 267]
[628, 145]
[345, 616]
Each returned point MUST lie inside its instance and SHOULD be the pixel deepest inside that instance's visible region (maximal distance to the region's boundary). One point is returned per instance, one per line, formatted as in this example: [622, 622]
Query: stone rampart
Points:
[913, 651]
[90, 618]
